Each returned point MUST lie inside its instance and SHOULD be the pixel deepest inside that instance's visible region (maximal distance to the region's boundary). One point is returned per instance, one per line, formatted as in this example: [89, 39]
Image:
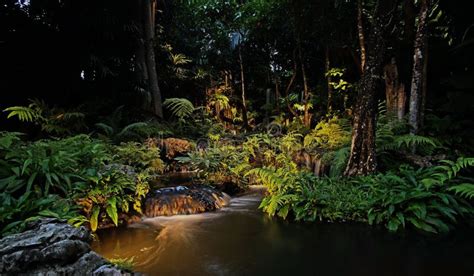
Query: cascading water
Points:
[184, 200]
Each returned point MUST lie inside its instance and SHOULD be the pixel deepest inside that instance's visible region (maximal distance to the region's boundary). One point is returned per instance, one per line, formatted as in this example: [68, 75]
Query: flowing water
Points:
[240, 240]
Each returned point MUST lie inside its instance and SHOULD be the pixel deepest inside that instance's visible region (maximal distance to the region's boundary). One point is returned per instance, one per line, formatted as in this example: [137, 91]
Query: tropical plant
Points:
[16, 213]
[330, 134]
[411, 197]
[114, 129]
[139, 156]
[51, 120]
[110, 191]
[179, 107]
[48, 165]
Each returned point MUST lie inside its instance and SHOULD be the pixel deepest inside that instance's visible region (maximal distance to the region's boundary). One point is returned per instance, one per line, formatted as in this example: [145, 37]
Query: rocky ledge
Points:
[184, 200]
[52, 247]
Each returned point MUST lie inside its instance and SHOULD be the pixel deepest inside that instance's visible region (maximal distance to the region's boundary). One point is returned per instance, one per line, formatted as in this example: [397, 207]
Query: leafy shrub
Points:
[15, 213]
[103, 180]
[52, 120]
[403, 199]
[421, 198]
[116, 128]
[108, 192]
[48, 165]
[139, 156]
[330, 134]
[308, 198]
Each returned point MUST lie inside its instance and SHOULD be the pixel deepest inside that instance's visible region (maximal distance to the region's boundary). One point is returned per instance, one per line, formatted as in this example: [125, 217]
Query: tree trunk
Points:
[361, 34]
[329, 80]
[149, 34]
[394, 91]
[425, 83]
[277, 92]
[290, 83]
[362, 159]
[242, 83]
[141, 71]
[306, 116]
[418, 61]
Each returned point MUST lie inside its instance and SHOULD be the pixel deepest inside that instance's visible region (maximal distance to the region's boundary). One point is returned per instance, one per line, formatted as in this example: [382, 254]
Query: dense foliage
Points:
[76, 178]
[276, 92]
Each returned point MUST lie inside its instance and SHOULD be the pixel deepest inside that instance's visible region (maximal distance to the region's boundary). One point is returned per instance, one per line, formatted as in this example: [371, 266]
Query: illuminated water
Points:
[240, 240]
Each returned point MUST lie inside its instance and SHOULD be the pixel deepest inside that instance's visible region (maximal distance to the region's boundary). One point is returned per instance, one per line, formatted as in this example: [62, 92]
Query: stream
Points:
[240, 240]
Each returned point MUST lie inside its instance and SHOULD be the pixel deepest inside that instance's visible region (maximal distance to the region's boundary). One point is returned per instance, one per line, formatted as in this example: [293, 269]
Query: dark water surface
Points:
[240, 240]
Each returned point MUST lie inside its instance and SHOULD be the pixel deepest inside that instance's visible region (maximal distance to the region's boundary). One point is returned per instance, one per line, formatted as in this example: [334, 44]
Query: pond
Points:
[241, 240]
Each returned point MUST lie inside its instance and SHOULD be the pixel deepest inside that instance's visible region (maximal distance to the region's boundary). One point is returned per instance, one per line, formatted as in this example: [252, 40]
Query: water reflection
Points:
[239, 240]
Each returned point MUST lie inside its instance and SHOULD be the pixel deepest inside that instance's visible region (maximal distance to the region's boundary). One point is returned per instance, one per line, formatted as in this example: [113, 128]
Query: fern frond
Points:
[465, 190]
[73, 115]
[128, 130]
[108, 130]
[24, 113]
[179, 107]
[339, 161]
[268, 176]
[410, 140]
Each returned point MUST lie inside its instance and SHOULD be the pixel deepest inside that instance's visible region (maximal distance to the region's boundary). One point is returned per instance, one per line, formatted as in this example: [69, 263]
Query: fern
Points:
[130, 129]
[268, 176]
[179, 107]
[52, 120]
[414, 140]
[339, 161]
[441, 174]
[465, 190]
[108, 130]
[27, 114]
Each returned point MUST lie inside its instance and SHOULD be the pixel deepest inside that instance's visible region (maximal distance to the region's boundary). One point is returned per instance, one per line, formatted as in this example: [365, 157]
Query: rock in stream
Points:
[184, 200]
[52, 247]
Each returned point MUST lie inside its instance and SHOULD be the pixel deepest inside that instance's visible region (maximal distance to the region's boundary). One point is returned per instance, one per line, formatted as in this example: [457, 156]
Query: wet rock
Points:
[52, 247]
[184, 200]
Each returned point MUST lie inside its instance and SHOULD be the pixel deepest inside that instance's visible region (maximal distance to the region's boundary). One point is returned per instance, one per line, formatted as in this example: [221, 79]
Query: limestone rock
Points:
[52, 247]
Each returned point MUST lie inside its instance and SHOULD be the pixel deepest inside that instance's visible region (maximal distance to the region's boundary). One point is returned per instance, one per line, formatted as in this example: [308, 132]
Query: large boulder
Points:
[52, 247]
[184, 200]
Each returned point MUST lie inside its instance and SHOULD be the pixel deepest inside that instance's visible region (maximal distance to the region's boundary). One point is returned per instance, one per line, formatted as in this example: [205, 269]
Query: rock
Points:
[184, 200]
[52, 247]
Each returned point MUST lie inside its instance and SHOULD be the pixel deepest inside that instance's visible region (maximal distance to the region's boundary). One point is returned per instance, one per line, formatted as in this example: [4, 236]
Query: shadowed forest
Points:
[351, 112]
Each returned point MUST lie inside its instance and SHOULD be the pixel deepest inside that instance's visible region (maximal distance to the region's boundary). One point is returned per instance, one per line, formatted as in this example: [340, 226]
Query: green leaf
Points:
[283, 212]
[112, 210]
[94, 220]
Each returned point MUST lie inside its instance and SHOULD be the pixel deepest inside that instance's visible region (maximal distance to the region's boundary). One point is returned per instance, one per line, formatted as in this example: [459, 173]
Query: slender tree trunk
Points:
[329, 80]
[425, 83]
[141, 71]
[242, 83]
[362, 159]
[290, 84]
[361, 34]
[277, 92]
[394, 91]
[418, 61]
[149, 34]
[306, 116]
